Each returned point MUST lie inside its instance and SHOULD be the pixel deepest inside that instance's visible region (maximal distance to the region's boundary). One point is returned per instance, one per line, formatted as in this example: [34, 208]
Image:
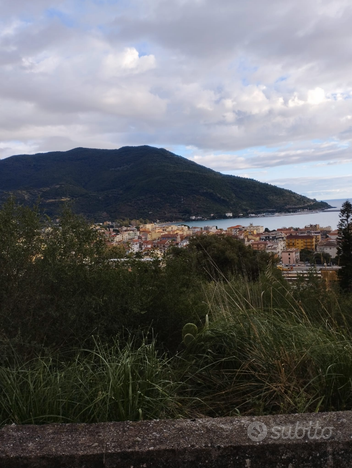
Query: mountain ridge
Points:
[138, 182]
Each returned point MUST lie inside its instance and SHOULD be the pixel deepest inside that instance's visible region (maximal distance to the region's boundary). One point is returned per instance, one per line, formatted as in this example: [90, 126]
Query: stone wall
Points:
[290, 441]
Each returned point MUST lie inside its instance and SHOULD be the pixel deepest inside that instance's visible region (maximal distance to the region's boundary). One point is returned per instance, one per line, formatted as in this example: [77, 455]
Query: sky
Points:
[255, 88]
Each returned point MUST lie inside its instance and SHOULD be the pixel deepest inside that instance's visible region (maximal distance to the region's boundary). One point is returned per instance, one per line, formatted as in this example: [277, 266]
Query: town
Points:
[295, 249]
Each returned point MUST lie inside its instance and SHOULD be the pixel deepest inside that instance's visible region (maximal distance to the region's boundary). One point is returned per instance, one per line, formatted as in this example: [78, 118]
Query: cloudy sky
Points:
[255, 88]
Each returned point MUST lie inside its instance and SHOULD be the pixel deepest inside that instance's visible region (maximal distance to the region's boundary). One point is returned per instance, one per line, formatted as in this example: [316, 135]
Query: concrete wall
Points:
[290, 441]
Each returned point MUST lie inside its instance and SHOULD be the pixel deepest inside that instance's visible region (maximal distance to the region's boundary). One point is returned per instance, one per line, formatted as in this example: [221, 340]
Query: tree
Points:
[344, 249]
[307, 255]
[50, 279]
[220, 257]
[20, 244]
[322, 257]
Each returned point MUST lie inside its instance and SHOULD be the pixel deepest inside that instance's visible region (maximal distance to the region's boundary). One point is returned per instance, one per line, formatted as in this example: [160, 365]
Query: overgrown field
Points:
[210, 330]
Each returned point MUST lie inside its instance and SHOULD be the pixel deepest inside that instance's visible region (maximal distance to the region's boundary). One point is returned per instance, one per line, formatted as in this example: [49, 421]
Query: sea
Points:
[281, 220]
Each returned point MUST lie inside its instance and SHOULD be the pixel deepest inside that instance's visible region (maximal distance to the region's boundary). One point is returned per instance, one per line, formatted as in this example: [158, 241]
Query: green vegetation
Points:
[345, 246]
[138, 182]
[211, 330]
[113, 383]
[319, 258]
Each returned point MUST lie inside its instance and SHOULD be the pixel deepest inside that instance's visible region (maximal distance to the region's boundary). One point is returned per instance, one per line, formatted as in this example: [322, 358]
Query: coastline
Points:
[275, 221]
[252, 216]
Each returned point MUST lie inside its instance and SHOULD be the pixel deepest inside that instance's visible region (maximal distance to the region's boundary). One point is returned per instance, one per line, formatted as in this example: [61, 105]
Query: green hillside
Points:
[138, 182]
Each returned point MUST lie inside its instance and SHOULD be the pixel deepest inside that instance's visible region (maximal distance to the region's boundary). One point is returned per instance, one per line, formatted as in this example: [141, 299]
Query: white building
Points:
[328, 246]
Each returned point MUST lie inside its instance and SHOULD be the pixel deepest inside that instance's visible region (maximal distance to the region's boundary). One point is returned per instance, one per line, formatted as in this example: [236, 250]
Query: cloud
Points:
[228, 79]
[322, 153]
[126, 62]
[320, 188]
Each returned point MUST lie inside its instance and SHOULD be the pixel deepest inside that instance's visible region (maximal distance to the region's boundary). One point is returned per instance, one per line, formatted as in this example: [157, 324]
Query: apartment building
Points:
[294, 241]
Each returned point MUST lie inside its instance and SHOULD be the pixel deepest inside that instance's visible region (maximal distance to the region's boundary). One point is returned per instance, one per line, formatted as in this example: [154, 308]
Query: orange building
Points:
[259, 245]
[300, 242]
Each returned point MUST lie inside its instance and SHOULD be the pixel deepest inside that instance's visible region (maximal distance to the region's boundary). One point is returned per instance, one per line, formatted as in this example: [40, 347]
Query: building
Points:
[277, 241]
[328, 246]
[259, 245]
[234, 230]
[251, 229]
[329, 275]
[333, 234]
[297, 241]
[290, 256]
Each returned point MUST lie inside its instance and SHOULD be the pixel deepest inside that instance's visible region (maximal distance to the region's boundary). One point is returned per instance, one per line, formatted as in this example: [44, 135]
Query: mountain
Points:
[138, 182]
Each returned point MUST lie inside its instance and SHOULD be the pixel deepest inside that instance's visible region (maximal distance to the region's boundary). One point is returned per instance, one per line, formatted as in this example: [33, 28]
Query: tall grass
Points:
[266, 351]
[266, 348]
[103, 384]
